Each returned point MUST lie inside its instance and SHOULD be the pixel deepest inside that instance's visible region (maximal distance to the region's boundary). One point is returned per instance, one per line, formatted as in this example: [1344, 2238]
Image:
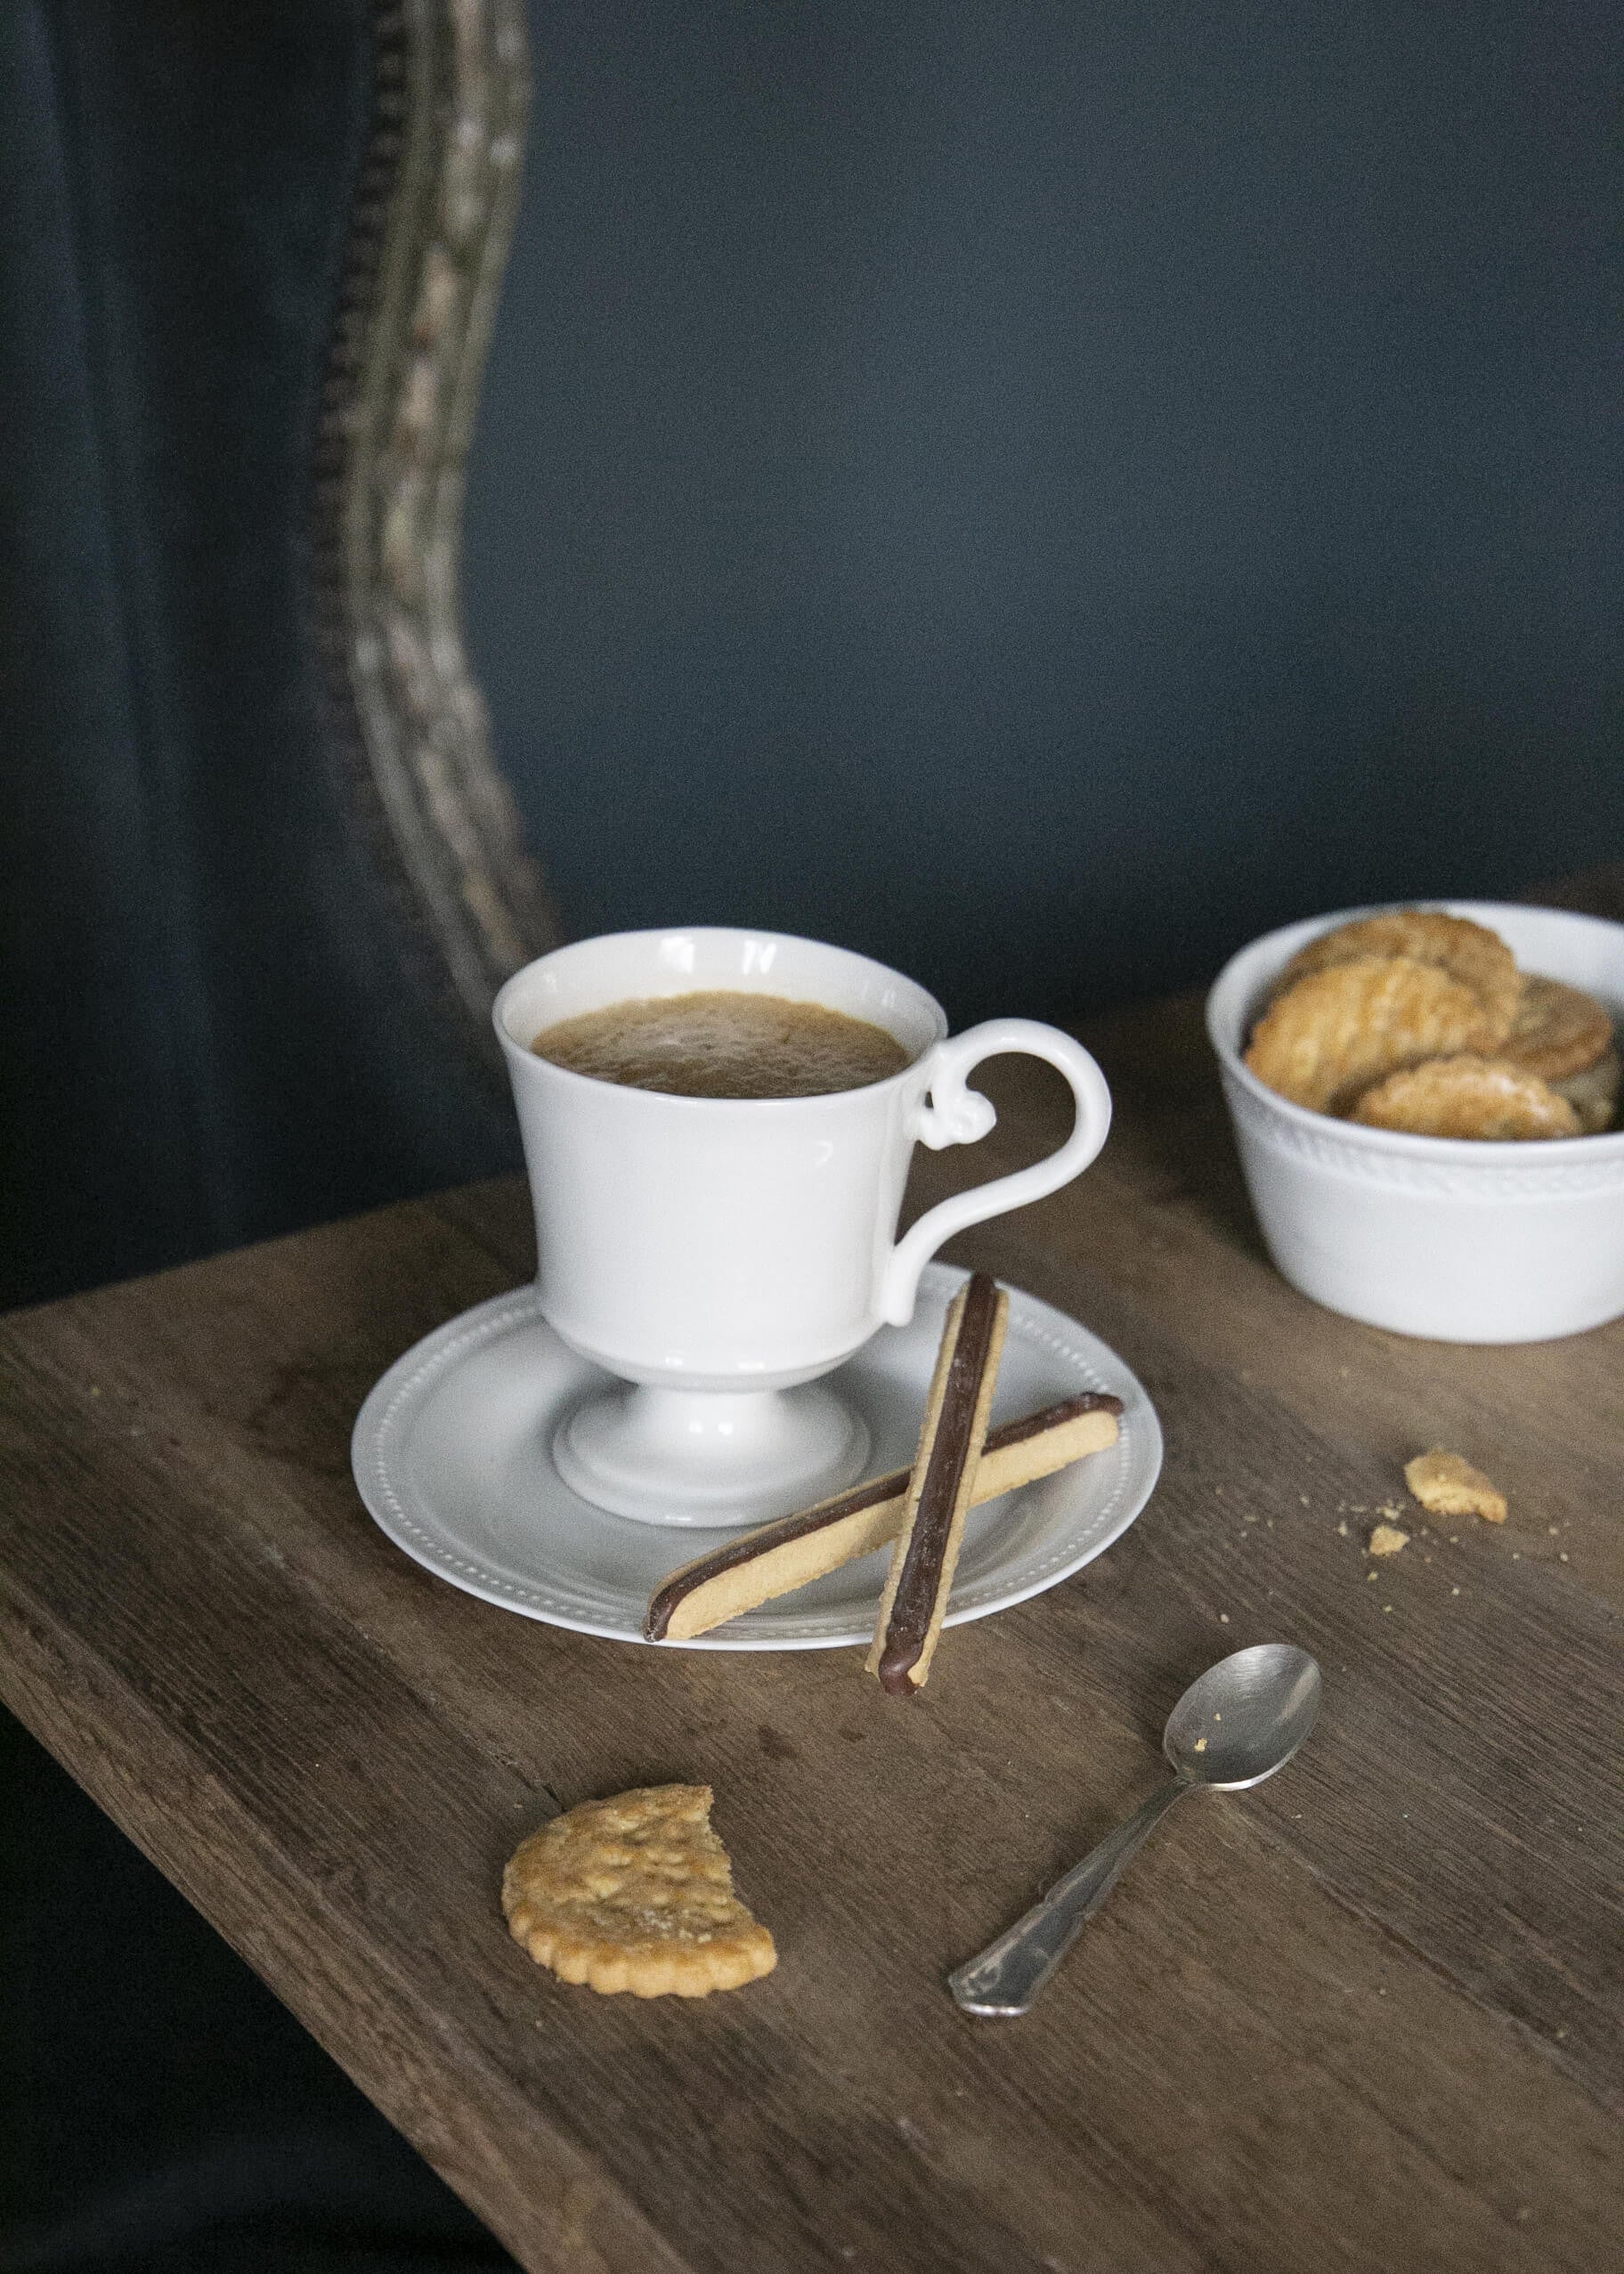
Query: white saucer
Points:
[450, 1453]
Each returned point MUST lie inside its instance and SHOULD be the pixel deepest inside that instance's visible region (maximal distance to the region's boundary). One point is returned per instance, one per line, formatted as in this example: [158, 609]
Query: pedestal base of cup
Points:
[703, 1457]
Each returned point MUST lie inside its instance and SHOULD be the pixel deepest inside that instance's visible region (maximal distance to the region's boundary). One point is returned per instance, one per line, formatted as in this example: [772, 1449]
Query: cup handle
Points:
[950, 1113]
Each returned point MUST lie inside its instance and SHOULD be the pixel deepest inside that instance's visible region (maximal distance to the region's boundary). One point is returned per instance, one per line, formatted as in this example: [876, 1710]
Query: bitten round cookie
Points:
[1467, 1097]
[1471, 952]
[1338, 1030]
[1558, 1030]
[636, 1893]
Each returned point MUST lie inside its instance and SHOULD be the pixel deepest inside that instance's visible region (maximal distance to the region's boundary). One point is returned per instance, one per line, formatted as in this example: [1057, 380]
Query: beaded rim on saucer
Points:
[450, 1454]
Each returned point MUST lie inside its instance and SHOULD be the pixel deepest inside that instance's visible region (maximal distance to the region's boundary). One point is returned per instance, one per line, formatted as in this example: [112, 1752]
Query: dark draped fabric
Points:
[207, 1038]
[203, 1034]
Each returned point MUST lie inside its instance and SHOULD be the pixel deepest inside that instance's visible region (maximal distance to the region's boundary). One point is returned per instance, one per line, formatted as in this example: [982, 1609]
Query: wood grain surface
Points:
[1365, 2017]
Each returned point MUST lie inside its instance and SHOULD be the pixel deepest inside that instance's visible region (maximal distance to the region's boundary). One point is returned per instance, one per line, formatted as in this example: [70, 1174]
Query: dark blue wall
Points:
[1041, 490]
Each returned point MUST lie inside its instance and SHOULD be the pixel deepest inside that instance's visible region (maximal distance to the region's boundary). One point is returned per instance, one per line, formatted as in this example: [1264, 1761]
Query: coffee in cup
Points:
[722, 1043]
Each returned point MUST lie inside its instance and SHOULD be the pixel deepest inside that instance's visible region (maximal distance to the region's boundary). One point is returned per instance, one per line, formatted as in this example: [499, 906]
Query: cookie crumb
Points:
[1387, 1539]
[1446, 1485]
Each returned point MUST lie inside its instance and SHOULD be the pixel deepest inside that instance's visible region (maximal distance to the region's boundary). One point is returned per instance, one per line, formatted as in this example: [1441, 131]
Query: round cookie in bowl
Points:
[1459, 1238]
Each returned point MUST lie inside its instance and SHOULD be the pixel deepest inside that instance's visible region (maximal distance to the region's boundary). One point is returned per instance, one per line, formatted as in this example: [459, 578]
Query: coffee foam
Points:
[721, 1044]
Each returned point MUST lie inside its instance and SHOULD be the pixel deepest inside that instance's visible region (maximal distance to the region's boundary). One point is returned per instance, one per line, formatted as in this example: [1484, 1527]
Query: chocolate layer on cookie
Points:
[927, 1549]
[774, 1558]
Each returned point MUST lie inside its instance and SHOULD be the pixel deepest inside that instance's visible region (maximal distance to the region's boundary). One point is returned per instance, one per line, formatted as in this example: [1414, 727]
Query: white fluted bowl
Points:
[1458, 1240]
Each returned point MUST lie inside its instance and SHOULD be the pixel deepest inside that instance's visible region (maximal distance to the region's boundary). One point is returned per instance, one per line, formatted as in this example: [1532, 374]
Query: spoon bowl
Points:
[1243, 1717]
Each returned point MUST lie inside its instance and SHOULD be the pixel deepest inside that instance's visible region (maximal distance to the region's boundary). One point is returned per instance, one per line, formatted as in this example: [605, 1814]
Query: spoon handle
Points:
[1007, 1976]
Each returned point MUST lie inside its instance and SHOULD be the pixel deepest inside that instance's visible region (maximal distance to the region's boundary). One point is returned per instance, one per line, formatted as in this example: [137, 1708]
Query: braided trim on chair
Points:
[431, 221]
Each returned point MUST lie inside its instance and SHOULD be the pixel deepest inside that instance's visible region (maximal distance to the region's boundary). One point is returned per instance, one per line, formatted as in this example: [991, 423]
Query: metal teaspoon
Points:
[1240, 1721]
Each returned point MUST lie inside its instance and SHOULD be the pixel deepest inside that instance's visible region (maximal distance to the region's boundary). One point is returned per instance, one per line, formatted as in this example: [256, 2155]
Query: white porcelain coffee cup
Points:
[718, 1255]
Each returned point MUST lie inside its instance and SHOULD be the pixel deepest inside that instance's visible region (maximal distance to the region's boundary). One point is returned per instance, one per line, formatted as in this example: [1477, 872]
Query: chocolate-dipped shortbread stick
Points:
[774, 1558]
[927, 1549]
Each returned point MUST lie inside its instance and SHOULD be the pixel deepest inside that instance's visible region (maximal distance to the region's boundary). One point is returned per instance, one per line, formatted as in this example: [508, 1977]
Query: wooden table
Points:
[1367, 2017]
